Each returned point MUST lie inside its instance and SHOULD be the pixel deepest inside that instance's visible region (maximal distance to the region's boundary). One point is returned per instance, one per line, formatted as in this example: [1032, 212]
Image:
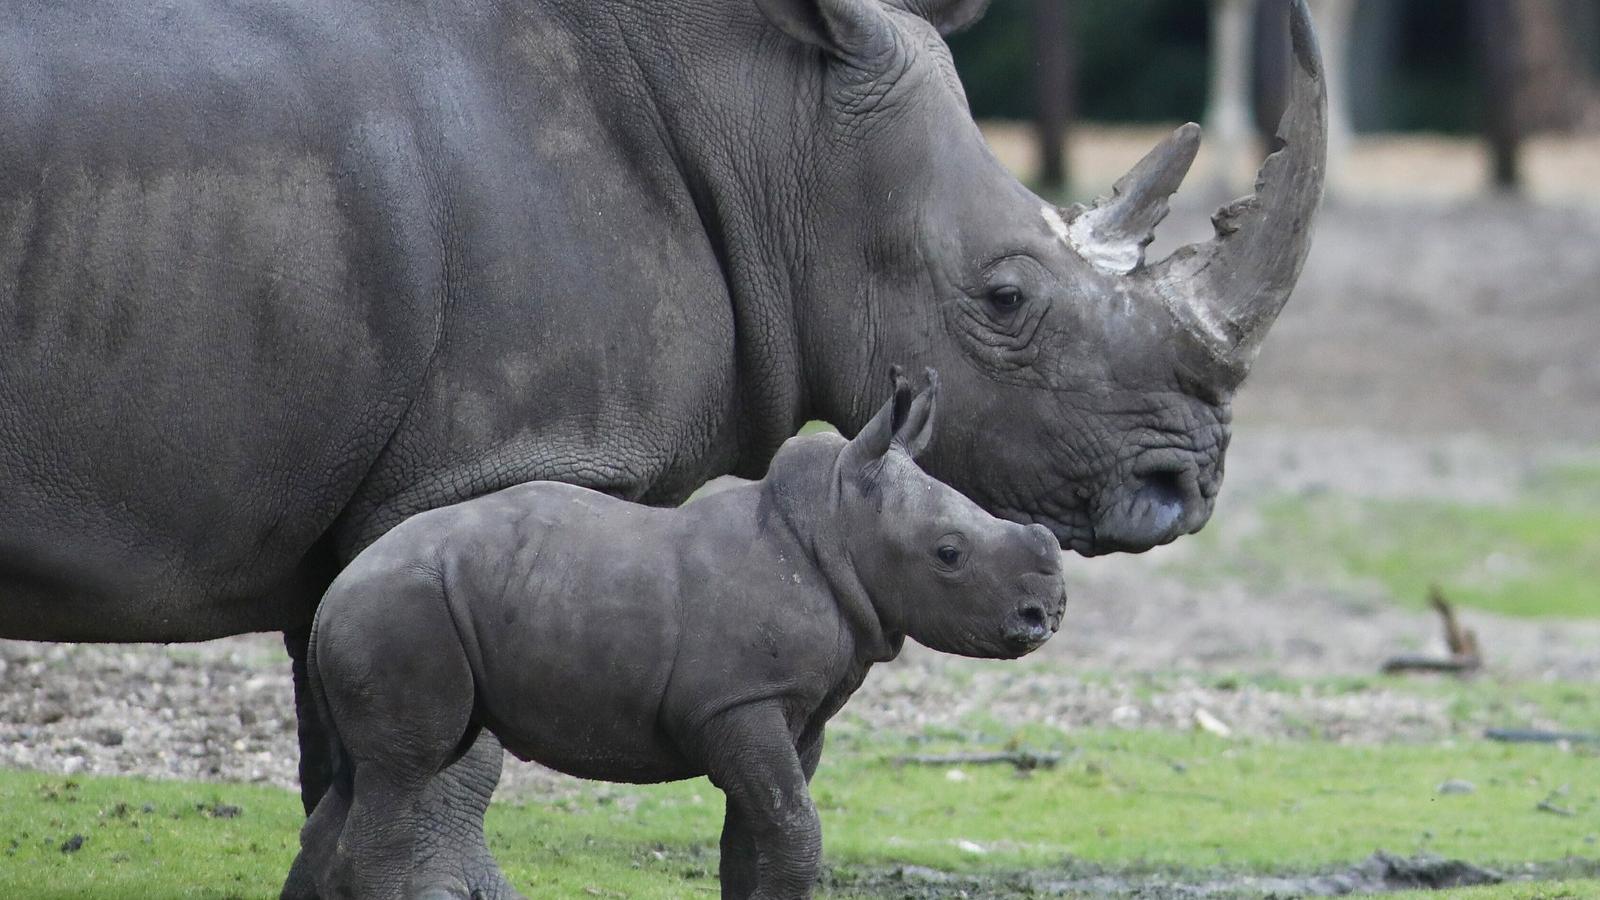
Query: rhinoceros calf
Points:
[627, 643]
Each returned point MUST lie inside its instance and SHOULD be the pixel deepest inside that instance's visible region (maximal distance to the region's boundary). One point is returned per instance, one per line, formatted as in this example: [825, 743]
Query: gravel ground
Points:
[1445, 367]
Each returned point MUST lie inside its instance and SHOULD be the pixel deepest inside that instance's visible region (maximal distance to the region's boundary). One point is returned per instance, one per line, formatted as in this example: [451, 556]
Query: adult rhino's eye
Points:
[1006, 299]
[948, 555]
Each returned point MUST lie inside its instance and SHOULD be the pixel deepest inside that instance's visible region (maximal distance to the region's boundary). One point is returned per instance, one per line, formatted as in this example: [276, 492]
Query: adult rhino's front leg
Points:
[317, 747]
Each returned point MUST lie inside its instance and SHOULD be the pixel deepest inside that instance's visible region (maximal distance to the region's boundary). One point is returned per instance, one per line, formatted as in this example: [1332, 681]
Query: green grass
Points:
[1134, 801]
[1536, 556]
[1472, 704]
[142, 838]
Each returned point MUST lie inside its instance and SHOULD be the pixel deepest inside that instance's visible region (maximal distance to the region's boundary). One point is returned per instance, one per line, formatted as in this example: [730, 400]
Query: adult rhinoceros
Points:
[276, 275]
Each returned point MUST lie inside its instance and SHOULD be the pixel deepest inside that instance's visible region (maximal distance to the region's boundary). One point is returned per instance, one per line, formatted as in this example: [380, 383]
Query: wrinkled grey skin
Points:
[275, 276]
[628, 643]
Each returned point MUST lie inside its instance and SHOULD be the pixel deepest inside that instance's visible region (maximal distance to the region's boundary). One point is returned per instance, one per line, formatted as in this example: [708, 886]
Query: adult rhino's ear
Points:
[915, 432]
[856, 31]
[949, 16]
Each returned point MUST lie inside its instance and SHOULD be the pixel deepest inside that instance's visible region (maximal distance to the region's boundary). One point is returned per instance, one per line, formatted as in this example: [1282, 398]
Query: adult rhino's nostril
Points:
[1164, 494]
[1033, 616]
[1151, 514]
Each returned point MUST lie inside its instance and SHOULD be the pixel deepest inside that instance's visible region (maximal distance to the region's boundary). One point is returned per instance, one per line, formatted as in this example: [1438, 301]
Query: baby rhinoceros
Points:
[626, 643]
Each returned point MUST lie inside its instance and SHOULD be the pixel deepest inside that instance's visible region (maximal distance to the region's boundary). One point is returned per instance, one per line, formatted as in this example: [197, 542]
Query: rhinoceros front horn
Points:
[1226, 292]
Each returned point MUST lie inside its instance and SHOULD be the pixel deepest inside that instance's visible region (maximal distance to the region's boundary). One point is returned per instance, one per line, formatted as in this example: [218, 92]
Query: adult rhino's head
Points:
[1085, 388]
[936, 566]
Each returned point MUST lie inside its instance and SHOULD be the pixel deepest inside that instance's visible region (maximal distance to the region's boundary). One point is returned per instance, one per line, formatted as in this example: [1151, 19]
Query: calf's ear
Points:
[914, 432]
[855, 31]
[906, 421]
[950, 16]
[883, 430]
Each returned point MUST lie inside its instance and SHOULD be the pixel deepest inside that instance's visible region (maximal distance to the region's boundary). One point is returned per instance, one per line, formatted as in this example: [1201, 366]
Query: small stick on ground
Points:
[1465, 656]
[1023, 760]
[1549, 805]
[1463, 642]
[1540, 736]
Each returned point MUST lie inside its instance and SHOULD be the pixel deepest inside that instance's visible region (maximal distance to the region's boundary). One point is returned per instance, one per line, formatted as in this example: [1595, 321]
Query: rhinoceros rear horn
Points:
[1112, 232]
[1227, 292]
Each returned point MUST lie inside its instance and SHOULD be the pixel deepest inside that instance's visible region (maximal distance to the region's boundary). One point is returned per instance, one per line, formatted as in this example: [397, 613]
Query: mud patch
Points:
[1379, 873]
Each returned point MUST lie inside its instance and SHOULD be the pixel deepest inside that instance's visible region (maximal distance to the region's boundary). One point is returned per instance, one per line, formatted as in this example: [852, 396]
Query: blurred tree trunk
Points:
[1334, 19]
[1271, 65]
[1556, 92]
[1498, 44]
[1227, 112]
[1053, 89]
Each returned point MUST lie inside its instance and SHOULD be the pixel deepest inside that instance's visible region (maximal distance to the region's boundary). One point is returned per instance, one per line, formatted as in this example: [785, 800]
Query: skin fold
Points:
[626, 643]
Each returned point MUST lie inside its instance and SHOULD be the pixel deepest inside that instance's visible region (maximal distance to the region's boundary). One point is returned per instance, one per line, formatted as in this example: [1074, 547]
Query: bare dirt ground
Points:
[1439, 346]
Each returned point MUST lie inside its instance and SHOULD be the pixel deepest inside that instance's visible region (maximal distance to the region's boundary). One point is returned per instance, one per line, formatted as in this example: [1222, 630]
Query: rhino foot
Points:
[452, 858]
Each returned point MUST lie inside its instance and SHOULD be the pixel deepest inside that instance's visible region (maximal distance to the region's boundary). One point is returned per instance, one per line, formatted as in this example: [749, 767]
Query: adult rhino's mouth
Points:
[1152, 508]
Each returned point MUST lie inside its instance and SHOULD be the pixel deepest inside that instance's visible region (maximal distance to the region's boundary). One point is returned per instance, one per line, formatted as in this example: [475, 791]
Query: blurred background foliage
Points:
[1412, 65]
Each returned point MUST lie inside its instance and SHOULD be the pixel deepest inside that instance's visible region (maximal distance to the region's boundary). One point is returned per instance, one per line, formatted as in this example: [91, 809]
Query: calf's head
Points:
[1085, 389]
[937, 567]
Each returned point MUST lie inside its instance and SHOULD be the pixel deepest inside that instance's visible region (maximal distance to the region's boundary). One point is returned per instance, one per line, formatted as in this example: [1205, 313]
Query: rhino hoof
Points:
[444, 889]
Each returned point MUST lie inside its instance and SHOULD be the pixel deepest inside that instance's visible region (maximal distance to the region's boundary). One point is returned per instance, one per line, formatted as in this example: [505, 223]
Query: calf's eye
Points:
[948, 555]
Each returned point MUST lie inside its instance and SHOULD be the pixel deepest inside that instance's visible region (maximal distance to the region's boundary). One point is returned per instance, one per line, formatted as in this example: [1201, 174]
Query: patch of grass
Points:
[1473, 703]
[1144, 798]
[1561, 705]
[1128, 801]
[123, 837]
[1536, 556]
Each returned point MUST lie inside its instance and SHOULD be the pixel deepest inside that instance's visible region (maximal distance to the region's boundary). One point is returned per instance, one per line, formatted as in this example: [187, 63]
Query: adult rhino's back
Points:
[217, 300]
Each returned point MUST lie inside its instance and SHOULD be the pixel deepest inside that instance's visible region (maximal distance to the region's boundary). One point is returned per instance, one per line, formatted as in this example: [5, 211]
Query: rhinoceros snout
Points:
[1154, 508]
[1030, 625]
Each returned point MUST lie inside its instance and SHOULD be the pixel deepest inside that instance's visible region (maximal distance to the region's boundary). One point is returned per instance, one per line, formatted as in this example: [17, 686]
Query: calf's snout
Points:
[1038, 614]
[1027, 628]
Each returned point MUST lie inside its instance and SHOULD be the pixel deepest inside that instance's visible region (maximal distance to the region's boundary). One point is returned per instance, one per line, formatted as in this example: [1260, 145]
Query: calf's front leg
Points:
[740, 859]
[771, 838]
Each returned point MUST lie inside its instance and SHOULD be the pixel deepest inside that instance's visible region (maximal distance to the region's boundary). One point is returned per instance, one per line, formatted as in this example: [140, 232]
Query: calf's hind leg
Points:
[373, 856]
[400, 700]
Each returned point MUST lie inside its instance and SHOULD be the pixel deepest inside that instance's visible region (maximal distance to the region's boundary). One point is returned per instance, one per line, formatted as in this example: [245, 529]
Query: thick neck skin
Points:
[804, 492]
[740, 107]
